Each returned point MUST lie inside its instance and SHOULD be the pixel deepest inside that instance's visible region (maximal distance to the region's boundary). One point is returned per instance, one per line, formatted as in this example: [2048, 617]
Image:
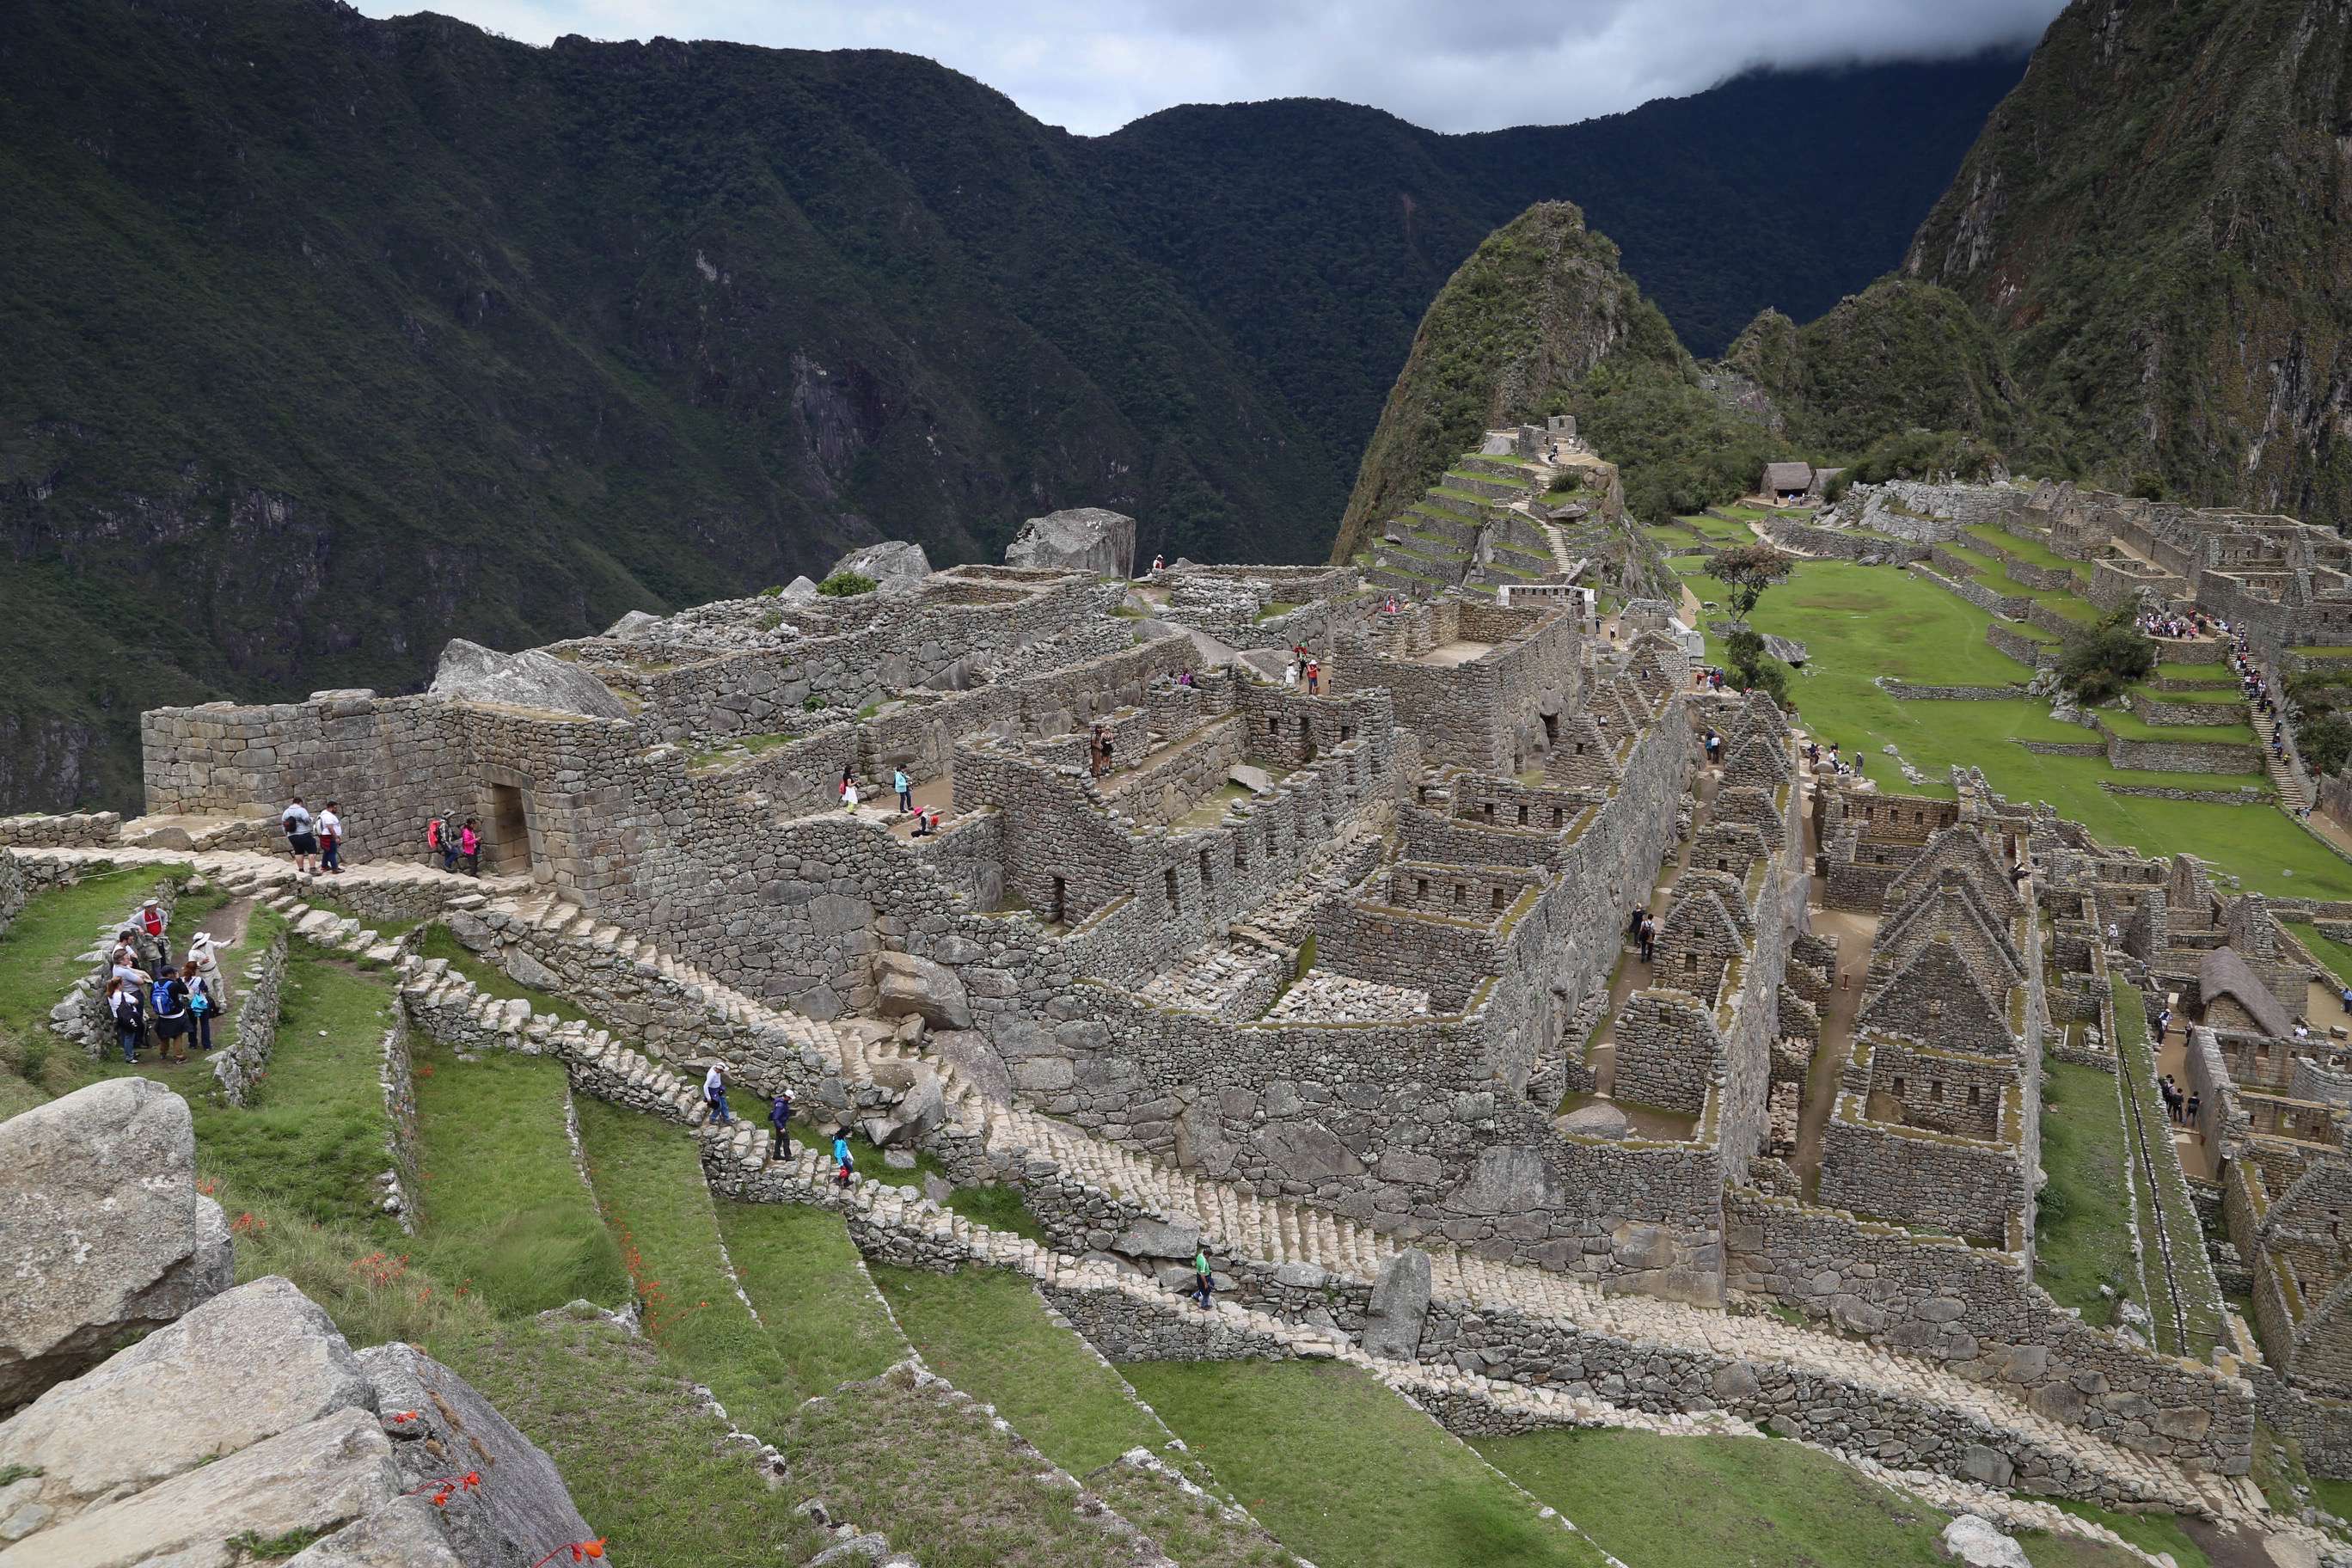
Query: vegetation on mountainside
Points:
[331, 338]
[1678, 447]
[2099, 661]
[2152, 226]
[1918, 454]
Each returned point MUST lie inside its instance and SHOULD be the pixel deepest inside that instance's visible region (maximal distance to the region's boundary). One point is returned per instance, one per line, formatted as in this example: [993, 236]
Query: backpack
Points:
[164, 997]
[200, 998]
[432, 833]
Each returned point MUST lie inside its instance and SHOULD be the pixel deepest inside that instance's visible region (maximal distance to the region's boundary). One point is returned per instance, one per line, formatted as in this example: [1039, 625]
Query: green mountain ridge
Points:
[330, 339]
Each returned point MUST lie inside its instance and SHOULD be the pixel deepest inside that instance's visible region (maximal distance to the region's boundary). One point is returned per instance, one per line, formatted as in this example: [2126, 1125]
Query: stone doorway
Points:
[506, 837]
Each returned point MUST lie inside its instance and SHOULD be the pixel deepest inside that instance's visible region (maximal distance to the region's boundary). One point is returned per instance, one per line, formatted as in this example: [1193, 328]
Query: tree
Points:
[2098, 661]
[1748, 570]
[2326, 743]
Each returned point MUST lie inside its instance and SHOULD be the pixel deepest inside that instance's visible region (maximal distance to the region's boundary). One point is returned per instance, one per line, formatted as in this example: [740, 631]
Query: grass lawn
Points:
[2033, 551]
[2082, 1238]
[505, 1212]
[1344, 1471]
[985, 1331]
[1739, 1502]
[1718, 531]
[2227, 698]
[2132, 727]
[649, 1182]
[2329, 952]
[495, 982]
[798, 1267]
[2151, 1533]
[1863, 621]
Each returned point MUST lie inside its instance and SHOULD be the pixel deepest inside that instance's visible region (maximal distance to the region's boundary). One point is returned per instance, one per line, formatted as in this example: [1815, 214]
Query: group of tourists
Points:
[151, 1001]
[465, 844]
[315, 842]
[1641, 931]
[1099, 752]
[1303, 666]
[2178, 1108]
[1833, 764]
[2175, 625]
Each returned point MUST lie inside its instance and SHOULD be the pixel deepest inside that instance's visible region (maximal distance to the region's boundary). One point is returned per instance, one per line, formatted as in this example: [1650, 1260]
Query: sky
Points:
[1091, 65]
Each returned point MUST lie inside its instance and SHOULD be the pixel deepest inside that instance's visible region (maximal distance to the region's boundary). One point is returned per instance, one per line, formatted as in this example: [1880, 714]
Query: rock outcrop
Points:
[104, 1234]
[1077, 539]
[894, 564]
[470, 672]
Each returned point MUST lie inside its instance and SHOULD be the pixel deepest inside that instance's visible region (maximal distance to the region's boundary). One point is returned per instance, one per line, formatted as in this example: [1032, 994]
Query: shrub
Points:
[846, 586]
[1919, 455]
[771, 591]
[2098, 661]
[2326, 743]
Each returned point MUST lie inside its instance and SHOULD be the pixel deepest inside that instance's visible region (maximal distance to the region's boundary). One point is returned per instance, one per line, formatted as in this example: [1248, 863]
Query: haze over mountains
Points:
[331, 338]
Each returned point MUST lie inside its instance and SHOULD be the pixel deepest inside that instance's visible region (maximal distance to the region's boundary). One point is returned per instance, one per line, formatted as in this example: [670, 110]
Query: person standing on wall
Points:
[470, 845]
[331, 840]
[1204, 1281]
[299, 838]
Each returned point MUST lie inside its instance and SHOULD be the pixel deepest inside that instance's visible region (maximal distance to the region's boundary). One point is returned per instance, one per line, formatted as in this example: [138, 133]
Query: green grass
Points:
[1718, 530]
[649, 1182]
[799, 1267]
[1343, 1471]
[40, 957]
[504, 1211]
[2082, 1238]
[495, 982]
[2229, 698]
[1861, 621]
[2322, 652]
[2033, 551]
[985, 1331]
[998, 1207]
[2132, 727]
[1739, 1502]
[2151, 1533]
[2327, 950]
[2199, 1300]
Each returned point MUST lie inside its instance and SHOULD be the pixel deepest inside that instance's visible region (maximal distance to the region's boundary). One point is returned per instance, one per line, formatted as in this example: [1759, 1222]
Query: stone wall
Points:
[242, 1042]
[13, 891]
[66, 830]
[2179, 756]
[1841, 543]
[2026, 650]
[1976, 1308]
[397, 1077]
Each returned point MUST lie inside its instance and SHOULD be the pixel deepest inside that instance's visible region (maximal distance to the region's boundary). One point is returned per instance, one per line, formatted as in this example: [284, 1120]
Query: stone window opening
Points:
[1420, 887]
[1488, 807]
[1496, 898]
[1347, 732]
[1241, 852]
[1206, 880]
[1556, 819]
[1935, 1090]
[1171, 875]
[1934, 1006]
[1523, 816]
[1274, 725]
[1690, 961]
[1976, 1094]
[1459, 892]
[1060, 908]
[1551, 730]
[1898, 1087]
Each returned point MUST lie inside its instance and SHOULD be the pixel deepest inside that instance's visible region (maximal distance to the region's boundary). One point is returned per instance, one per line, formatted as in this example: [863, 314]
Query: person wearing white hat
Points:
[207, 988]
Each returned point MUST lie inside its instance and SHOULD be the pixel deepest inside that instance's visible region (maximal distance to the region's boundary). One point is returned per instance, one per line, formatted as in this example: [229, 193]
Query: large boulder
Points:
[522, 1509]
[894, 564]
[1077, 539]
[635, 626]
[468, 673]
[1597, 1120]
[104, 1234]
[1973, 1540]
[1399, 1304]
[918, 986]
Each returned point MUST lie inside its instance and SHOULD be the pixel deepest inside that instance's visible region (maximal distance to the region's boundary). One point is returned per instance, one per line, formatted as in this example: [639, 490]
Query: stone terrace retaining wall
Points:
[2157, 711]
[2019, 646]
[13, 895]
[252, 1026]
[1908, 691]
[397, 1077]
[2014, 606]
[1976, 1310]
[68, 830]
[2180, 757]
[1841, 543]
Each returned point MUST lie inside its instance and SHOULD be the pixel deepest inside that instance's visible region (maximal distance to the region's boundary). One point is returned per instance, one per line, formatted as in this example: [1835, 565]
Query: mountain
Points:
[329, 339]
[2154, 225]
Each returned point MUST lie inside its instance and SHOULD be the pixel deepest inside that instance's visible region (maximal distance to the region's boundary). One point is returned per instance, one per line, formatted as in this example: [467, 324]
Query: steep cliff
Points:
[1513, 334]
[2155, 226]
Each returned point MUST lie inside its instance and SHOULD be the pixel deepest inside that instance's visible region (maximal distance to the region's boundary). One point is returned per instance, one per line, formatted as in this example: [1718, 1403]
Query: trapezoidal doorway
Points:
[506, 837]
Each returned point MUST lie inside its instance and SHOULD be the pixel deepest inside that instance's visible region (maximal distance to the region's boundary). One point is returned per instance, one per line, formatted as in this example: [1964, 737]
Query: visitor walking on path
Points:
[842, 1168]
[2190, 1117]
[848, 796]
[331, 840]
[1205, 1282]
[470, 845]
[780, 1117]
[1649, 938]
[437, 842]
[1314, 676]
[170, 1000]
[714, 1091]
[122, 1006]
[299, 838]
[900, 782]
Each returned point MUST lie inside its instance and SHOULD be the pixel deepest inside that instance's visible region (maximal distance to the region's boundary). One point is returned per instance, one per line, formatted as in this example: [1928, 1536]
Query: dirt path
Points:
[225, 925]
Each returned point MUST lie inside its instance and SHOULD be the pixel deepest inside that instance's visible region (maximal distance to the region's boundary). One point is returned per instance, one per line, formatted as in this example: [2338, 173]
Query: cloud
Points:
[1471, 64]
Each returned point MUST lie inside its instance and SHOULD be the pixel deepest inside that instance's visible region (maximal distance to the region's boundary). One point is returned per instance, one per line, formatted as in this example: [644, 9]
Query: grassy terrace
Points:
[2082, 1231]
[1719, 529]
[2132, 727]
[1859, 622]
[1344, 1471]
[2191, 1279]
[2223, 699]
[2327, 950]
[2033, 551]
[1744, 1502]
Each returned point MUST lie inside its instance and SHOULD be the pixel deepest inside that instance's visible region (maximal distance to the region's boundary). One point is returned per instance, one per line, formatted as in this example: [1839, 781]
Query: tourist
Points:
[122, 1006]
[1158, 564]
[470, 845]
[436, 841]
[1314, 675]
[1714, 747]
[849, 797]
[296, 820]
[170, 1001]
[1204, 1281]
[842, 1168]
[154, 924]
[847, 787]
[926, 821]
[1094, 752]
[331, 840]
[1290, 673]
[1649, 938]
[201, 1008]
[1107, 749]
[714, 1094]
[780, 1116]
[1634, 924]
[2346, 997]
[1814, 753]
[2115, 934]
[126, 950]
[2302, 1030]
[203, 963]
[2191, 1117]
[900, 782]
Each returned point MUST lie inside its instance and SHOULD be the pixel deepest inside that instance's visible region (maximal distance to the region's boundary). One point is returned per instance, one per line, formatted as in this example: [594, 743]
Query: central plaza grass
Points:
[1343, 1470]
[1740, 1502]
[1861, 622]
[2082, 1236]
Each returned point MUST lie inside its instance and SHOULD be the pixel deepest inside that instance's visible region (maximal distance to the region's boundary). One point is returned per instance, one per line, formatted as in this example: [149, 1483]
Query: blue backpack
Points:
[200, 1000]
[164, 995]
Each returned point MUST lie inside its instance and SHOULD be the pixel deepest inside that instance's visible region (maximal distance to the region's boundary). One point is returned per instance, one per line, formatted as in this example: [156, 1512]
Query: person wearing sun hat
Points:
[204, 963]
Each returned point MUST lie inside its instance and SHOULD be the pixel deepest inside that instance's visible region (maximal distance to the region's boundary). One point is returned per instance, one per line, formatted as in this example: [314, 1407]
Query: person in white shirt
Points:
[330, 839]
[714, 1089]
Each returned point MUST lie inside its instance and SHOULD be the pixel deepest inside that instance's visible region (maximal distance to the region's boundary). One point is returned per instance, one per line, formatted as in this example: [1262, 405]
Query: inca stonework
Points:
[1347, 986]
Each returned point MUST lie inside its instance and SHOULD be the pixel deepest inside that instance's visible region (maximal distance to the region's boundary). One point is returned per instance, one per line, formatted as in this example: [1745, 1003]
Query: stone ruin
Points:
[1341, 985]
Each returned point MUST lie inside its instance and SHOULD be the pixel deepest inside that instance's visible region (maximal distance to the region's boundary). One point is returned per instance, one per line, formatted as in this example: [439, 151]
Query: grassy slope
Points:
[503, 1208]
[1344, 1471]
[2199, 1301]
[2082, 1238]
[1863, 621]
[1739, 1502]
[801, 1273]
